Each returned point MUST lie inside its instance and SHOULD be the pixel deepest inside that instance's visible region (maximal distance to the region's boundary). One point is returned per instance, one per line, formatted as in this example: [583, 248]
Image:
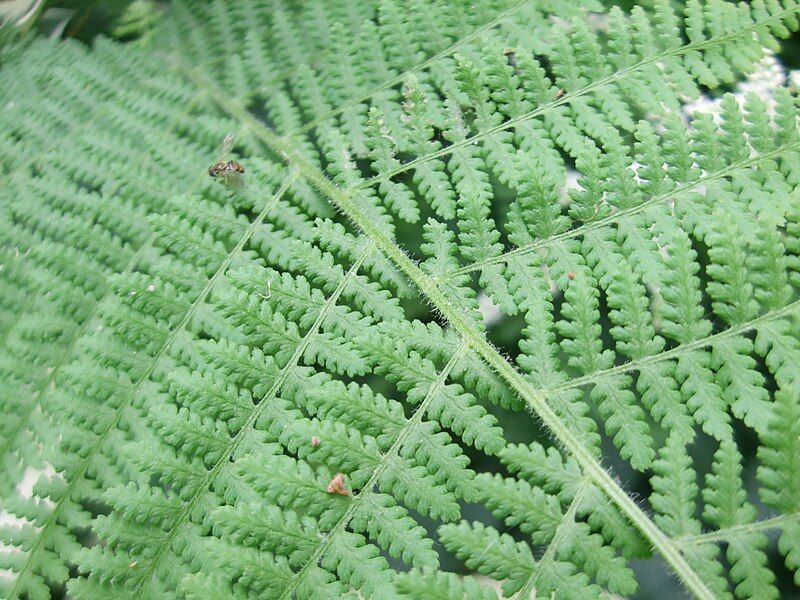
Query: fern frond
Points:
[727, 506]
[295, 384]
[778, 483]
[67, 225]
[431, 291]
[500, 556]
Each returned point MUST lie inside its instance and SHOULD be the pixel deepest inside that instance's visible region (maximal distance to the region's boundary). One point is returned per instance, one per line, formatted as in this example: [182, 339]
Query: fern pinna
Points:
[288, 390]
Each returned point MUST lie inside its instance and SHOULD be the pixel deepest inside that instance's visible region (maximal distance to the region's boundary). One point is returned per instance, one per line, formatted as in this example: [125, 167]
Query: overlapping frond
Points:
[77, 213]
[73, 214]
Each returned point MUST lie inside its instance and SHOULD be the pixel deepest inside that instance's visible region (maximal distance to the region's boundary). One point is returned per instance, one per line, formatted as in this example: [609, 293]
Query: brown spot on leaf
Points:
[337, 486]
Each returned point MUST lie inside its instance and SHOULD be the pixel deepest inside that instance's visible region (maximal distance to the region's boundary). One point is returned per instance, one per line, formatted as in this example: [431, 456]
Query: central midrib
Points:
[429, 289]
[188, 508]
[379, 469]
[475, 340]
[624, 213]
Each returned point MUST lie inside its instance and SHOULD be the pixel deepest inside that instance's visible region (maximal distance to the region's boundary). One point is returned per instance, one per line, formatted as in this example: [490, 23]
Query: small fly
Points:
[230, 172]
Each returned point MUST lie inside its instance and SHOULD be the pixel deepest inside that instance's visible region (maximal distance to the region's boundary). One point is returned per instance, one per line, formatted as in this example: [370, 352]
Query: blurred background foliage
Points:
[82, 19]
[121, 19]
[129, 20]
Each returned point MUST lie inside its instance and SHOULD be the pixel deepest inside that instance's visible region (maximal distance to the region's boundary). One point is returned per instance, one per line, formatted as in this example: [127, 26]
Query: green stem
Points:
[678, 351]
[535, 399]
[701, 181]
[380, 468]
[725, 534]
[252, 419]
[549, 554]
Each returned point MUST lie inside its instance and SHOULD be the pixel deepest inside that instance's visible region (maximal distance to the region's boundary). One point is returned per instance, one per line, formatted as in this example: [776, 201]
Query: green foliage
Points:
[280, 385]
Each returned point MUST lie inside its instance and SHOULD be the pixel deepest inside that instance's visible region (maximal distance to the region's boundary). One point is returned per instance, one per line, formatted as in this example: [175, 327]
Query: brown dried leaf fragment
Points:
[337, 486]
